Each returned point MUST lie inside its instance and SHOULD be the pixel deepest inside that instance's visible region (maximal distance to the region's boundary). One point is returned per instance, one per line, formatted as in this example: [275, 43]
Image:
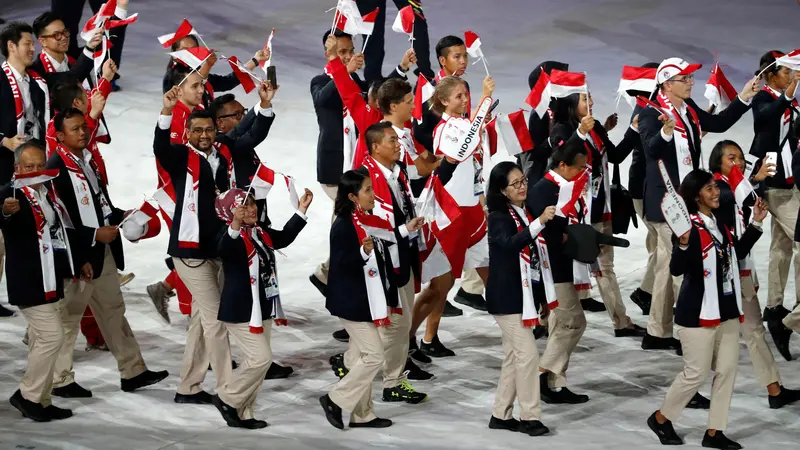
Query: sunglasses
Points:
[237, 115]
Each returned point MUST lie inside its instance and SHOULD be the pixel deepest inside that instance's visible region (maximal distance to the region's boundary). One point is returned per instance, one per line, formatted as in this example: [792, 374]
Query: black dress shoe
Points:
[72, 390]
[563, 396]
[776, 313]
[435, 349]
[650, 342]
[665, 432]
[253, 424]
[451, 311]
[374, 423]
[277, 371]
[786, 397]
[592, 305]
[5, 312]
[144, 379]
[533, 428]
[634, 331]
[200, 398]
[475, 301]
[511, 424]
[228, 413]
[719, 440]
[781, 334]
[56, 413]
[643, 300]
[29, 409]
[341, 335]
[321, 287]
[332, 412]
[414, 352]
[699, 402]
[540, 332]
[414, 372]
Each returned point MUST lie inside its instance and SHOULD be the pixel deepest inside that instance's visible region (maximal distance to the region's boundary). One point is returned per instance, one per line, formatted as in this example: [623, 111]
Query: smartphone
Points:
[272, 77]
[494, 105]
[772, 158]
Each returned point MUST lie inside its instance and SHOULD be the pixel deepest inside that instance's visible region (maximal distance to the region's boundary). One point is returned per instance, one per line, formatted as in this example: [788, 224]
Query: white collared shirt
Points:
[392, 177]
[91, 177]
[711, 225]
[40, 194]
[535, 227]
[24, 83]
[62, 66]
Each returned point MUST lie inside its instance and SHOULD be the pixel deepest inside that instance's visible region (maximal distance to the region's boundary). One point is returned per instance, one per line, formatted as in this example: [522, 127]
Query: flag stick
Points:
[765, 68]
[588, 108]
[202, 41]
[247, 194]
[485, 66]
[366, 39]
[194, 70]
[335, 16]
[244, 69]
[412, 35]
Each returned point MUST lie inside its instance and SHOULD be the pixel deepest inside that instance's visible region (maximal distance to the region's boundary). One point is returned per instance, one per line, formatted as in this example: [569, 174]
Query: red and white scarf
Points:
[594, 140]
[376, 294]
[19, 106]
[746, 266]
[189, 232]
[681, 135]
[530, 315]
[46, 251]
[384, 205]
[783, 142]
[81, 187]
[709, 311]
[253, 263]
[48, 64]
[225, 151]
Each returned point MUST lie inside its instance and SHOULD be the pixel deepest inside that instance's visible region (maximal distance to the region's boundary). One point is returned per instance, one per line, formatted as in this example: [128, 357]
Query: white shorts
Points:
[437, 264]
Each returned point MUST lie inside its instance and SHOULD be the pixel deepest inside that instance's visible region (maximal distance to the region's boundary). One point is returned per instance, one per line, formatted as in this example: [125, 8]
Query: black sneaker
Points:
[413, 372]
[321, 287]
[719, 440]
[332, 412]
[475, 301]
[56, 413]
[337, 365]
[776, 313]
[374, 423]
[451, 311]
[781, 334]
[786, 397]
[435, 349]
[403, 392]
[533, 428]
[592, 305]
[511, 424]
[699, 402]
[540, 332]
[634, 331]
[29, 409]
[277, 371]
[5, 312]
[228, 412]
[643, 300]
[665, 432]
[72, 390]
[200, 398]
[253, 424]
[144, 379]
[414, 352]
[341, 335]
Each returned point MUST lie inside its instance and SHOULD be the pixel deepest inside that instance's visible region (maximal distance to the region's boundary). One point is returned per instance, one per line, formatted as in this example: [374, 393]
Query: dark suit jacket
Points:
[503, 288]
[23, 266]
[636, 172]
[767, 114]
[545, 193]
[236, 301]
[81, 69]
[8, 122]
[242, 142]
[655, 148]
[81, 241]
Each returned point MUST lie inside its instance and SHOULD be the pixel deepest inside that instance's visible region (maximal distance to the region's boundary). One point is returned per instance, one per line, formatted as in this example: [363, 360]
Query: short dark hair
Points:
[58, 120]
[548, 67]
[32, 143]
[12, 32]
[349, 183]
[391, 92]
[767, 64]
[66, 91]
[568, 153]
[218, 103]
[200, 115]
[375, 133]
[498, 180]
[692, 185]
[43, 21]
[337, 33]
[177, 73]
[444, 44]
[175, 45]
[715, 160]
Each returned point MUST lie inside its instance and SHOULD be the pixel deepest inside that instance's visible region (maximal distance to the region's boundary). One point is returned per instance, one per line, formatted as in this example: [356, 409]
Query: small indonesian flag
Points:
[101, 20]
[740, 186]
[473, 42]
[165, 197]
[193, 57]
[640, 79]
[143, 214]
[243, 76]
[569, 193]
[268, 46]
[184, 29]
[423, 93]
[563, 84]
[377, 226]
[294, 199]
[790, 60]
[442, 213]
[404, 22]
[539, 97]
[262, 182]
[350, 20]
[29, 179]
[719, 90]
[513, 128]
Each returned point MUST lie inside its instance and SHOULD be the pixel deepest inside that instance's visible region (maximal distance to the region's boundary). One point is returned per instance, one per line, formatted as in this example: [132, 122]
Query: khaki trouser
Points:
[354, 392]
[567, 324]
[753, 332]
[322, 270]
[665, 286]
[45, 338]
[650, 243]
[105, 298]
[783, 206]
[241, 391]
[472, 283]
[704, 350]
[395, 340]
[207, 338]
[519, 374]
[607, 282]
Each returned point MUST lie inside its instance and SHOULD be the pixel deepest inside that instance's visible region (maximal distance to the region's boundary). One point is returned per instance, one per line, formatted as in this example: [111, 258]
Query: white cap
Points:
[672, 67]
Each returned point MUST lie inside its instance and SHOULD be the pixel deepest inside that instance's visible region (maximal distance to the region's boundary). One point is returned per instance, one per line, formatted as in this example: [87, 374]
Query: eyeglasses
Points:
[685, 79]
[237, 115]
[58, 35]
[519, 183]
[201, 131]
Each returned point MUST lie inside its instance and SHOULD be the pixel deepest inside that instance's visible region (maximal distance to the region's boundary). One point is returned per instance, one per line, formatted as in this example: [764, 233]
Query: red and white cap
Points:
[672, 67]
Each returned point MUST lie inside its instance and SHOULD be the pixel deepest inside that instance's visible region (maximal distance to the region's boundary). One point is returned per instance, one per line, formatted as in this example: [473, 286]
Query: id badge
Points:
[106, 208]
[727, 283]
[272, 287]
[596, 182]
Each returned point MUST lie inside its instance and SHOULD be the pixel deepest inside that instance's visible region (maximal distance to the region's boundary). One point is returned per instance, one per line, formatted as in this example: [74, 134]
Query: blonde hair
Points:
[443, 90]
